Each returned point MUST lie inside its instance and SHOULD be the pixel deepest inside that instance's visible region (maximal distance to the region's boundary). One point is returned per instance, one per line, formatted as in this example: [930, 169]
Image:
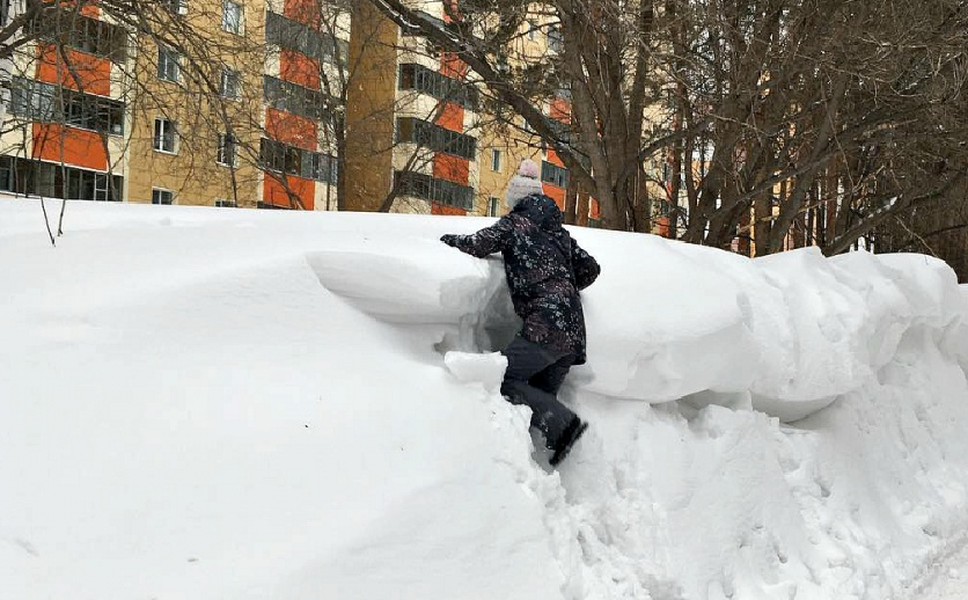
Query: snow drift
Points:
[799, 330]
[206, 403]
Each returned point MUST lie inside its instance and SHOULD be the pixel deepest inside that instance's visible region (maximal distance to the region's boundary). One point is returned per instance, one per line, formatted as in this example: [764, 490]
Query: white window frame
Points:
[493, 206]
[497, 160]
[235, 27]
[220, 154]
[101, 185]
[176, 7]
[159, 192]
[165, 129]
[230, 85]
[169, 64]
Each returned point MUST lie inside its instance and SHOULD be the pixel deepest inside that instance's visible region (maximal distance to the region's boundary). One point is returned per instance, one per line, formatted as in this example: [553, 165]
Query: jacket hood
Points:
[541, 209]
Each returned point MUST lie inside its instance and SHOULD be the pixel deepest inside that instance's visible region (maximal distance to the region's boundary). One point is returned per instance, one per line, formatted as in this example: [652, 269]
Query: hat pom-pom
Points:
[528, 169]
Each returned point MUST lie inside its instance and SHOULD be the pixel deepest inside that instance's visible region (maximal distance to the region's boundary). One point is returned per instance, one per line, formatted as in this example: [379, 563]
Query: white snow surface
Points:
[231, 404]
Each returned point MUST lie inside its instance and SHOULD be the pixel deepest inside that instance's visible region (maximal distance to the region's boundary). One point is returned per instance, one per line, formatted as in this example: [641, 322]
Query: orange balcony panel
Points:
[595, 212]
[452, 117]
[554, 159]
[560, 110]
[291, 129]
[443, 209]
[451, 66]
[298, 68]
[91, 74]
[452, 9]
[304, 11]
[75, 147]
[555, 193]
[274, 193]
[662, 226]
[89, 8]
[451, 168]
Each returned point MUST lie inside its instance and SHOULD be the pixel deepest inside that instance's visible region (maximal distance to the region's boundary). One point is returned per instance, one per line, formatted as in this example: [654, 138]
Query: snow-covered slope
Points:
[200, 403]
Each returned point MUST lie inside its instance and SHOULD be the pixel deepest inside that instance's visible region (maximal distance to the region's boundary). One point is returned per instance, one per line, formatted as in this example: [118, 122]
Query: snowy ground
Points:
[948, 578]
[208, 403]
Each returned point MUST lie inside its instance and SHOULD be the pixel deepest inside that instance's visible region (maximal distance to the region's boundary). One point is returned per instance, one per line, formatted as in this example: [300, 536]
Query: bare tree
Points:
[776, 121]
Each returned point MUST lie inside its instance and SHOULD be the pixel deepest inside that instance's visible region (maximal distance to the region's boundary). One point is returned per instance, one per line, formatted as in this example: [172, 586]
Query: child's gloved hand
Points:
[450, 239]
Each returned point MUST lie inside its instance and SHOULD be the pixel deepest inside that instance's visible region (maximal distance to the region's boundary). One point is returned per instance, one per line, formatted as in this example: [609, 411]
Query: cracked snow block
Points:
[469, 367]
[420, 282]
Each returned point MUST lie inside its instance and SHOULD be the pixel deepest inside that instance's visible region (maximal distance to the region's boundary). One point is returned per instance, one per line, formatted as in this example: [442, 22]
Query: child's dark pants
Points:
[533, 377]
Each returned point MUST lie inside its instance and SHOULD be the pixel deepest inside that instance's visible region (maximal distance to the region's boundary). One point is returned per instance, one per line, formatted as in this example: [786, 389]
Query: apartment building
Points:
[132, 119]
[65, 122]
[128, 118]
[418, 135]
[409, 123]
[304, 73]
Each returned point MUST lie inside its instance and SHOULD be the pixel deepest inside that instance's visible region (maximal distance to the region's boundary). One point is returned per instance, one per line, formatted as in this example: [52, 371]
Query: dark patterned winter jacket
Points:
[545, 268]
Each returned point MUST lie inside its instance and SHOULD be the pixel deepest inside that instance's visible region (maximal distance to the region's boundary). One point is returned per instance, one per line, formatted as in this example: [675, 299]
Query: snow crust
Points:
[202, 403]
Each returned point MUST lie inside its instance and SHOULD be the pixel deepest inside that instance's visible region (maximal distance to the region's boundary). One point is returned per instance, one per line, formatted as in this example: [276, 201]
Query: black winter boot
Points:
[569, 436]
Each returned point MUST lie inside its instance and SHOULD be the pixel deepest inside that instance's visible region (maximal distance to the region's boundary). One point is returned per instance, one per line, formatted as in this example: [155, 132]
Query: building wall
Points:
[461, 181]
[191, 171]
[370, 109]
[48, 156]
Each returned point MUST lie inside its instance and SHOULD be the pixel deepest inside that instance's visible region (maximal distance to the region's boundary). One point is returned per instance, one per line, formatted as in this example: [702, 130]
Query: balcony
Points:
[421, 79]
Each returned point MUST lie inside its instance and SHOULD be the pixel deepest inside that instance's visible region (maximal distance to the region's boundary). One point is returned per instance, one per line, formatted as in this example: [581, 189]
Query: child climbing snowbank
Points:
[229, 403]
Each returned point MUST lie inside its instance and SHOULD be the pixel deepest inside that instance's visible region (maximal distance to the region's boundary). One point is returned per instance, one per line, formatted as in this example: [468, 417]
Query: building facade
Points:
[419, 139]
[256, 112]
[65, 121]
[96, 112]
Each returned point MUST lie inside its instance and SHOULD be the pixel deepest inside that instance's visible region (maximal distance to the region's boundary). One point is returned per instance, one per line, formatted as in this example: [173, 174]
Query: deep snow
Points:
[209, 403]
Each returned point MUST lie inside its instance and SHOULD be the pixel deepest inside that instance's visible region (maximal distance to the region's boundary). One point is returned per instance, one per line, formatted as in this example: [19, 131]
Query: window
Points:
[493, 205]
[169, 64]
[100, 186]
[278, 157]
[25, 176]
[222, 203]
[231, 84]
[33, 100]
[293, 35]
[165, 136]
[532, 30]
[421, 79]
[82, 33]
[232, 17]
[555, 42]
[175, 7]
[159, 196]
[496, 157]
[7, 173]
[299, 100]
[227, 150]
[430, 188]
[502, 65]
[435, 137]
[44, 102]
[553, 174]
